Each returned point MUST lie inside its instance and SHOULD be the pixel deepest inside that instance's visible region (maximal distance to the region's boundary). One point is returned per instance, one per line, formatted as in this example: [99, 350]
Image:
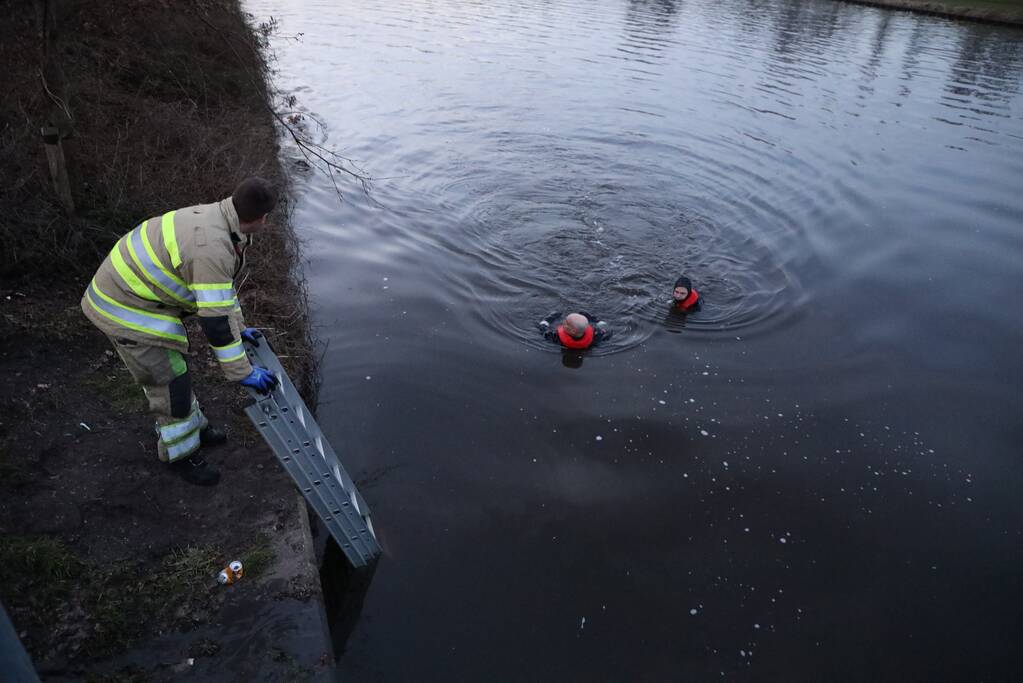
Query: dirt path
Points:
[107, 560]
[103, 548]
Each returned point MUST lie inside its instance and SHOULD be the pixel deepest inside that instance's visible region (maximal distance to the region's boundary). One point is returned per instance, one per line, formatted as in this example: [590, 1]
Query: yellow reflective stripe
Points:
[169, 239]
[229, 352]
[186, 446]
[214, 295]
[130, 239]
[136, 311]
[129, 276]
[158, 262]
[137, 326]
[219, 298]
[176, 431]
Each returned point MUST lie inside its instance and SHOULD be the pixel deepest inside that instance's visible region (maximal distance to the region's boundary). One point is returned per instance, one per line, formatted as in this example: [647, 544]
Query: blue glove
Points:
[260, 379]
[252, 335]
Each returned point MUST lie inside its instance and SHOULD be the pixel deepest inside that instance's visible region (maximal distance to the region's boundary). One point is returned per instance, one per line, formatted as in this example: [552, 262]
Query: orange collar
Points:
[689, 301]
[568, 341]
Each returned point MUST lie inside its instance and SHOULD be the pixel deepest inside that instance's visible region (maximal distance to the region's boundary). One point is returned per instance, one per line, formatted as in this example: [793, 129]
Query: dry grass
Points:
[171, 106]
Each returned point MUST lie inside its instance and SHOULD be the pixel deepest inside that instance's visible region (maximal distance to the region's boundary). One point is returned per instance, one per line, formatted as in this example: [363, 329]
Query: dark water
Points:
[817, 478]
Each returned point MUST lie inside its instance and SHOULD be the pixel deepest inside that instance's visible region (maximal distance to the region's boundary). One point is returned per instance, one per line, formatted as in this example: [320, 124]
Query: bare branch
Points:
[56, 100]
[325, 160]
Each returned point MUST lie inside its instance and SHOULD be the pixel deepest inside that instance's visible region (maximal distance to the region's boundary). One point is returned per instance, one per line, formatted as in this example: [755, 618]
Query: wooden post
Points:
[58, 168]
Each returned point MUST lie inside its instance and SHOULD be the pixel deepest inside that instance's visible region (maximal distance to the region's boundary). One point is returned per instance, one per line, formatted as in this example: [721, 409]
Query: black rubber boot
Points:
[212, 436]
[195, 470]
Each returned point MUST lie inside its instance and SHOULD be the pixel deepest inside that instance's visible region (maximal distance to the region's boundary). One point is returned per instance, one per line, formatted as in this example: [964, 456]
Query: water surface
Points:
[815, 478]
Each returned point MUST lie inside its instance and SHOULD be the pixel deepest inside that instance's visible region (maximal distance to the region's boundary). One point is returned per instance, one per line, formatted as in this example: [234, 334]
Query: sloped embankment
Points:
[107, 562]
[996, 11]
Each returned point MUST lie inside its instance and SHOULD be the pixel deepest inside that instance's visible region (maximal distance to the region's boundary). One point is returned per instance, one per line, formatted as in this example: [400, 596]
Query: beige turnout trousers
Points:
[163, 375]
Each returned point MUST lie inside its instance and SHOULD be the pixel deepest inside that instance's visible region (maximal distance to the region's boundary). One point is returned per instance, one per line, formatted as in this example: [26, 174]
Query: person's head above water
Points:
[578, 330]
[686, 298]
[683, 286]
[575, 324]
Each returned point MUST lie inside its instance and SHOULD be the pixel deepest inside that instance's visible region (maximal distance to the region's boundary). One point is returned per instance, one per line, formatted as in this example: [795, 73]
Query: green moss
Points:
[35, 562]
[175, 587]
[41, 580]
[188, 567]
[119, 391]
[258, 557]
[37, 574]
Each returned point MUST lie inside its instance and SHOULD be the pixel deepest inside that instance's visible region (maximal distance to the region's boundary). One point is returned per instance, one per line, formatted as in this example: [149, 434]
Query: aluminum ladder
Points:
[290, 430]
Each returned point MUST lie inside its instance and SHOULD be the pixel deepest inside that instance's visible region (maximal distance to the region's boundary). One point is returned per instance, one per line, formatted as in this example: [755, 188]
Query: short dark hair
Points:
[254, 198]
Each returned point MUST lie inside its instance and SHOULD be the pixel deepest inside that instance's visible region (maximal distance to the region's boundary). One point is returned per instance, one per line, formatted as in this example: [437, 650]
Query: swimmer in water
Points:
[686, 299]
[575, 331]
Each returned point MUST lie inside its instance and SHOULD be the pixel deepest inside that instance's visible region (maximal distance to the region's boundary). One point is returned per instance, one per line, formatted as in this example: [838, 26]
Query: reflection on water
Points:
[812, 478]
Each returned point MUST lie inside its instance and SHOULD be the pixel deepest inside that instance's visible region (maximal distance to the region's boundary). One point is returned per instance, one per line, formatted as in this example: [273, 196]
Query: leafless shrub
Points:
[169, 116]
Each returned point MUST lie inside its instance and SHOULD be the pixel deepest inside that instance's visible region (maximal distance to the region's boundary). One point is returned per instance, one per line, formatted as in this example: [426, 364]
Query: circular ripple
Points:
[616, 254]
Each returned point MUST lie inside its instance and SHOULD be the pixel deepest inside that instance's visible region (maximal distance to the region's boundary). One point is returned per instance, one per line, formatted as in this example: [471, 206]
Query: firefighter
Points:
[182, 263]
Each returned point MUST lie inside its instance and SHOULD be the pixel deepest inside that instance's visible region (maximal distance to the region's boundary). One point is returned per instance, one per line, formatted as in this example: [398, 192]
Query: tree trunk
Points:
[57, 121]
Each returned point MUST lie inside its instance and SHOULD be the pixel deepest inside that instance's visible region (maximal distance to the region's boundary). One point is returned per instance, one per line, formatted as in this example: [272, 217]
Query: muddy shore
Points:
[108, 562]
[995, 11]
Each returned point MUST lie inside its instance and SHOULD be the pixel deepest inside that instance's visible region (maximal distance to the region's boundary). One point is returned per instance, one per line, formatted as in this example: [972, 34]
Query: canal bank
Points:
[108, 563]
[996, 11]
[815, 478]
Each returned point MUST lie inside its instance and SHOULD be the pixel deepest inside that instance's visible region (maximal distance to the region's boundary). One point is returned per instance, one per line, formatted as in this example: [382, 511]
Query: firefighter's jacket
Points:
[174, 265]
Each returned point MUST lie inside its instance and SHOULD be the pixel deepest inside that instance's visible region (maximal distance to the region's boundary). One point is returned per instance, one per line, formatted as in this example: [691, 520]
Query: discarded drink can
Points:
[231, 573]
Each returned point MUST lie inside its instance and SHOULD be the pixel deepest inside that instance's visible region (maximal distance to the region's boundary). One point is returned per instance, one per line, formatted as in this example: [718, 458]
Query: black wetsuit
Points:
[692, 309]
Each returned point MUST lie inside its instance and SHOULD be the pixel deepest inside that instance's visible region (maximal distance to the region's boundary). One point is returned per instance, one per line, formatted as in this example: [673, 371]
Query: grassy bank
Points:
[999, 11]
[160, 105]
